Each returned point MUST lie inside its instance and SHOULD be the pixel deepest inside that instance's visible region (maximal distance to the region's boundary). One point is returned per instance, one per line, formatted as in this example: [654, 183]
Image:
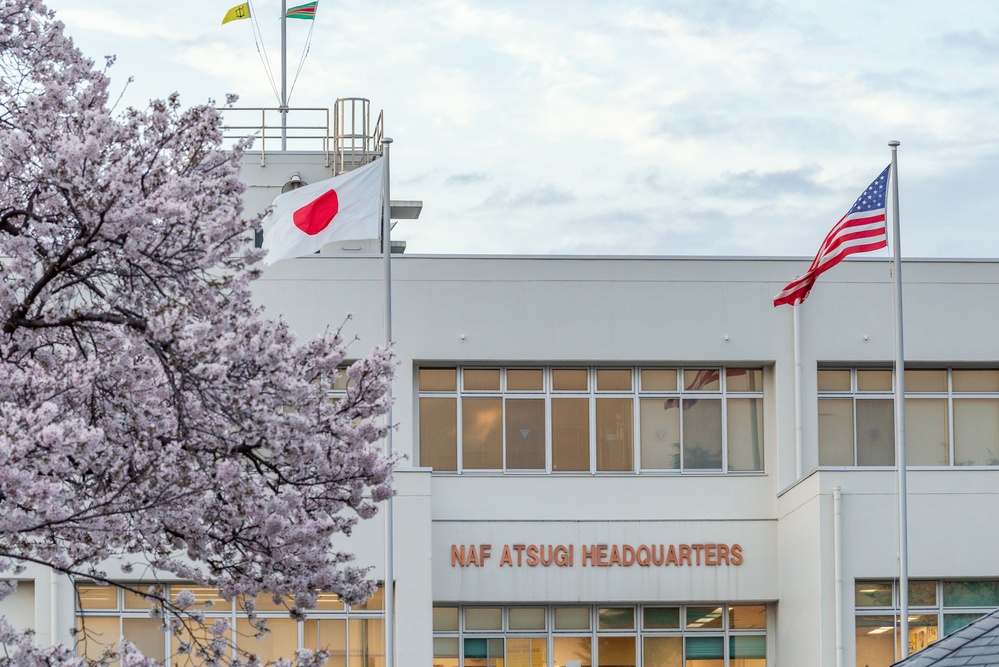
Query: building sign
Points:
[597, 555]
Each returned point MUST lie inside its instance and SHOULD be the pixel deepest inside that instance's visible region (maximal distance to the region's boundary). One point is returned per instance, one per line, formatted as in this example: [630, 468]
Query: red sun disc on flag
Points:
[317, 215]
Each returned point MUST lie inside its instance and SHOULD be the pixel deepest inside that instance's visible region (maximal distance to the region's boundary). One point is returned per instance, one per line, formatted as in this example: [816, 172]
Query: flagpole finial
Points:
[894, 144]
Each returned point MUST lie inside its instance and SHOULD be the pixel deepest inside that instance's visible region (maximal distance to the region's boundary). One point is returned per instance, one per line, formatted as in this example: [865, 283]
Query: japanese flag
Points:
[344, 208]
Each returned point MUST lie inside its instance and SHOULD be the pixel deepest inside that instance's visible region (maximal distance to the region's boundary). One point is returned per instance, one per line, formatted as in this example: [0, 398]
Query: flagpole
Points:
[284, 75]
[389, 585]
[903, 537]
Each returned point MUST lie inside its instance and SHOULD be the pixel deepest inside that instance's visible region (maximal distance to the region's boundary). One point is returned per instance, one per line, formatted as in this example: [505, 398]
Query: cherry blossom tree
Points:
[148, 410]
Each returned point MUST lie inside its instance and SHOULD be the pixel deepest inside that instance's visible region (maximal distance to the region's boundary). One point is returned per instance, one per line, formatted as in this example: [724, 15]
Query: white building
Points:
[609, 460]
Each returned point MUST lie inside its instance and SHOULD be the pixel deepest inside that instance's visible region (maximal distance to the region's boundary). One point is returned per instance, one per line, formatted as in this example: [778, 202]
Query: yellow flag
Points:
[236, 13]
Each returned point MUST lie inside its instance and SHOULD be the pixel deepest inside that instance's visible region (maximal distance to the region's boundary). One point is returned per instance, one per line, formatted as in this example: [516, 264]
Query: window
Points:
[951, 417]
[591, 420]
[107, 614]
[718, 635]
[936, 609]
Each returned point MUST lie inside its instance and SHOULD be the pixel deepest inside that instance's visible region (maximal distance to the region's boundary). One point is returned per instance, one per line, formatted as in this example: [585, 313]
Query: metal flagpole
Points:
[284, 75]
[389, 585]
[903, 537]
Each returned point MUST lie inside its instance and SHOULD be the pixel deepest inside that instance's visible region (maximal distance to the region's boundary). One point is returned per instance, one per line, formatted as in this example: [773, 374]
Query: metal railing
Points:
[353, 141]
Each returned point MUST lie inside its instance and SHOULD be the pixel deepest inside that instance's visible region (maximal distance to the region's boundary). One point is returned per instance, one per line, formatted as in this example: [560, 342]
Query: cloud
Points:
[544, 195]
[467, 178]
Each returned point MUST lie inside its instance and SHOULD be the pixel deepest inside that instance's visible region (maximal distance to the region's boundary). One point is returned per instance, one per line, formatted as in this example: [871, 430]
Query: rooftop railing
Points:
[351, 142]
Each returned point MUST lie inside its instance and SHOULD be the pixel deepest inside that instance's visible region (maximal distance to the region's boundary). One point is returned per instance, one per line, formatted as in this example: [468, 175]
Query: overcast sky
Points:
[688, 127]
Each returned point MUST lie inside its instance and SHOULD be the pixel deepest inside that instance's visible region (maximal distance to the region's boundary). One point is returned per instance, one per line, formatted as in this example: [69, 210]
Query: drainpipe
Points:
[838, 569]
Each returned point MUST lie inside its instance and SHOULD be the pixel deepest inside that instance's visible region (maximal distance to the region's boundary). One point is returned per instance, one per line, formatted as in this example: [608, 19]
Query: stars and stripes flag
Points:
[306, 11]
[862, 229]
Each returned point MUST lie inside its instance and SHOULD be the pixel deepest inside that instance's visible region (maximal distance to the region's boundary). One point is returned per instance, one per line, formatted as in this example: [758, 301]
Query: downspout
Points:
[838, 569]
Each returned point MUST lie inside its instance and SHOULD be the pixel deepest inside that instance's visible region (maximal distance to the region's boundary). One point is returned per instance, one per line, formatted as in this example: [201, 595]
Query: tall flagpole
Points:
[389, 585]
[284, 75]
[903, 536]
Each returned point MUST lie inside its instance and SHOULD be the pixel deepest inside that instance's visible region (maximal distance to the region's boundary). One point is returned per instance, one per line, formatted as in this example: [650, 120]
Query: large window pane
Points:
[280, 642]
[616, 651]
[875, 640]
[835, 432]
[705, 651]
[663, 652]
[97, 635]
[745, 433]
[149, 638]
[526, 652]
[484, 652]
[660, 433]
[922, 632]
[482, 433]
[330, 634]
[367, 642]
[875, 433]
[615, 439]
[439, 433]
[525, 434]
[565, 649]
[203, 643]
[747, 651]
[954, 622]
[702, 434]
[570, 434]
[927, 432]
[445, 652]
[976, 431]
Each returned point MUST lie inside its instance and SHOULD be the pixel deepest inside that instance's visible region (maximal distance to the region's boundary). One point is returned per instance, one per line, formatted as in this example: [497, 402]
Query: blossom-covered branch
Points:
[148, 409]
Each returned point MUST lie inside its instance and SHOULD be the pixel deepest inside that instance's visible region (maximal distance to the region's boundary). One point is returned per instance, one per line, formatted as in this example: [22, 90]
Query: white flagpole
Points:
[799, 466]
[284, 75]
[389, 585]
[903, 537]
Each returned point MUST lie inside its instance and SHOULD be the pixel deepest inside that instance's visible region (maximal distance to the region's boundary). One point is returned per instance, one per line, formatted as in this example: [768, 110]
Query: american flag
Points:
[862, 229]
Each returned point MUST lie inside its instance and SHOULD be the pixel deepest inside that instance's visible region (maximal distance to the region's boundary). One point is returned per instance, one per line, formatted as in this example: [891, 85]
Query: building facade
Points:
[636, 461]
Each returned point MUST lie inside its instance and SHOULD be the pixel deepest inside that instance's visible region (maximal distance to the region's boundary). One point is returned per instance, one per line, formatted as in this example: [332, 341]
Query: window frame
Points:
[683, 396]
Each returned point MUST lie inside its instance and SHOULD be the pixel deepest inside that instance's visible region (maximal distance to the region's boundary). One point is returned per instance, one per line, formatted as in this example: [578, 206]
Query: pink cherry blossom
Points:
[148, 409]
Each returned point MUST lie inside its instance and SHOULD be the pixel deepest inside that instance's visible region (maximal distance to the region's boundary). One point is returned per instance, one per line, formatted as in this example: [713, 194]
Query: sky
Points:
[595, 127]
